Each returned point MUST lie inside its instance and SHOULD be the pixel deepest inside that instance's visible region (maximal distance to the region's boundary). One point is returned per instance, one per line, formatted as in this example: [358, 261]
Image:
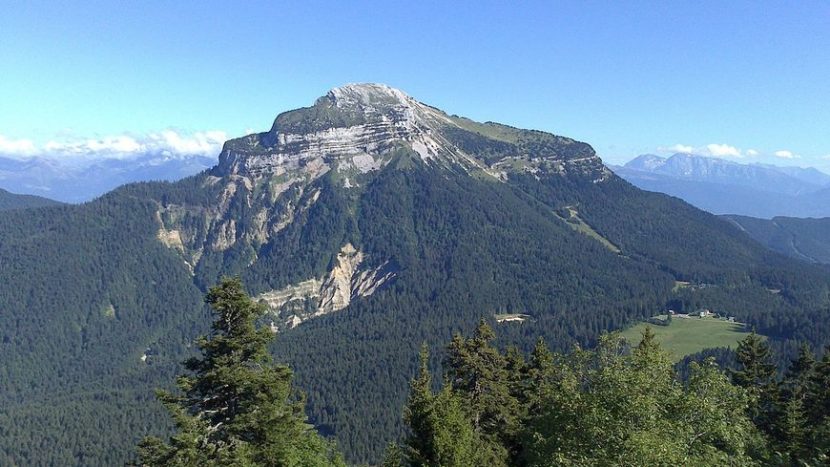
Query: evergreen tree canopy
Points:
[483, 376]
[440, 430]
[592, 407]
[236, 407]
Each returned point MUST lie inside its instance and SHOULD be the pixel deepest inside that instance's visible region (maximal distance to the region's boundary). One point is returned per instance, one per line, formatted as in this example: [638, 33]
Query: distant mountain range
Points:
[78, 180]
[726, 187]
[9, 201]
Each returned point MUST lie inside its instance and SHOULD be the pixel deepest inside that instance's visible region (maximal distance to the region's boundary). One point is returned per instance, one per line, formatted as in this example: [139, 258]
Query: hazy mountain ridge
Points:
[79, 180]
[726, 187]
[465, 219]
[10, 201]
[803, 239]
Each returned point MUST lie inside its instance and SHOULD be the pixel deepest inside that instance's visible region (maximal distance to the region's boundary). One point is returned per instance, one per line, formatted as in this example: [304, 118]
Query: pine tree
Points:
[757, 370]
[420, 416]
[800, 370]
[236, 407]
[819, 390]
[756, 374]
[539, 371]
[818, 409]
[478, 372]
[791, 426]
[441, 432]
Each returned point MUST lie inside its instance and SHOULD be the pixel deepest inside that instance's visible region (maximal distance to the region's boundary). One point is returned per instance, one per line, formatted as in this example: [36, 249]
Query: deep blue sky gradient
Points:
[627, 77]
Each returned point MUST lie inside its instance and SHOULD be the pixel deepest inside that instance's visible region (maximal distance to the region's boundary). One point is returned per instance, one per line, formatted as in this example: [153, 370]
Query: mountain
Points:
[714, 170]
[10, 201]
[74, 180]
[804, 239]
[725, 187]
[809, 175]
[367, 223]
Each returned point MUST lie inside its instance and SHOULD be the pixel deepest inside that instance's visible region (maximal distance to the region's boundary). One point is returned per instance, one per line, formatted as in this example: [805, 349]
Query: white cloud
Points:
[676, 148]
[113, 146]
[712, 150]
[784, 154]
[752, 153]
[723, 150]
[200, 143]
[167, 143]
[16, 147]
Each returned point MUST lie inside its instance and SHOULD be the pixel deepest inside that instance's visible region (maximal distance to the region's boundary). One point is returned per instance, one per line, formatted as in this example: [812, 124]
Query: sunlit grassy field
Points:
[686, 336]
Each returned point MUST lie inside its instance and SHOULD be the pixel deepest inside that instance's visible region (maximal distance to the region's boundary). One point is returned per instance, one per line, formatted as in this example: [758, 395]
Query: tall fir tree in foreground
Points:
[236, 407]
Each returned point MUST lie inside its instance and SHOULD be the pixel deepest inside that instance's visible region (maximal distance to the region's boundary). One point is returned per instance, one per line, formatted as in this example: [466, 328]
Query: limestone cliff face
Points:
[359, 127]
[354, 128]
[267, 182]
[345, 282]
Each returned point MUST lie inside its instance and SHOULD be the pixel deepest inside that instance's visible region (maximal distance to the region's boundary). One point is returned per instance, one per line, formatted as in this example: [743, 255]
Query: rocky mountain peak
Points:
[646, 162]
[356, 129]
[363, 95]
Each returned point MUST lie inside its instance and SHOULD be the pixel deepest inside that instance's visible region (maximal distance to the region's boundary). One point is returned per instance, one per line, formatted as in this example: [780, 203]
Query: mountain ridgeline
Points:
[804, 239]
[368, 224]
[10, 201]
[725, 187]
[77, 180]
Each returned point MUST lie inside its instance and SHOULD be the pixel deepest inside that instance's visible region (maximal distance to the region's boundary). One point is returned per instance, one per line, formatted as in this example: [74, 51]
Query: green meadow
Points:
[685, 336]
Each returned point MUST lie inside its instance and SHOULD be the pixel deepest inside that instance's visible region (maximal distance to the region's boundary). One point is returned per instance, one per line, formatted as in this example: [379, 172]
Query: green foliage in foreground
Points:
[236, 408]
[686, 336]
[609, 406]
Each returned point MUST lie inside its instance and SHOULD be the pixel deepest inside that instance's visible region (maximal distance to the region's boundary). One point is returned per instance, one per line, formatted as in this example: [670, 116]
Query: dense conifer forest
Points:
[9, 201]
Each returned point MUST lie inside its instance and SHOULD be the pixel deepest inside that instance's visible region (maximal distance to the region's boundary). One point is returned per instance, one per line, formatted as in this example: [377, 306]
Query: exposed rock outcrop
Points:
[345, 282]
[265, 182]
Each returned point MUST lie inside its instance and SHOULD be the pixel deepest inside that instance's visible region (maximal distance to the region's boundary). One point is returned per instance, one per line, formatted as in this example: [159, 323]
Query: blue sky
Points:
[740, 80]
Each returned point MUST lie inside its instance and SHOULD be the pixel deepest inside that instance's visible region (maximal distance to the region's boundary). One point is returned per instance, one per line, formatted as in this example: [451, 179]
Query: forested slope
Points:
[10, 201]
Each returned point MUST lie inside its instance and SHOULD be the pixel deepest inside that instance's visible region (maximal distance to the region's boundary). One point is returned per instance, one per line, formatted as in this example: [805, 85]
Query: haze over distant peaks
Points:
[727, 187]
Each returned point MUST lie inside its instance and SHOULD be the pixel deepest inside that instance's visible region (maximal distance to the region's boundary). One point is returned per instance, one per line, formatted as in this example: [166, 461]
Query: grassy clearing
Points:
[678, 285]
[685, 336]
[576, 223]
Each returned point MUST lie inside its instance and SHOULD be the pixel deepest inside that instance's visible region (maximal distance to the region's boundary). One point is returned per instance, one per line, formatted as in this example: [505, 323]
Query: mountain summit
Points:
[370, 95]
[358, 128]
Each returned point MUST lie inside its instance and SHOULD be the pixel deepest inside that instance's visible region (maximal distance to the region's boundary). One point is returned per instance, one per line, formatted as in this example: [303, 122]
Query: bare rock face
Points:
[345, 282]
[265, 182]
[352, 128]
[359, 128]
[337, 289]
